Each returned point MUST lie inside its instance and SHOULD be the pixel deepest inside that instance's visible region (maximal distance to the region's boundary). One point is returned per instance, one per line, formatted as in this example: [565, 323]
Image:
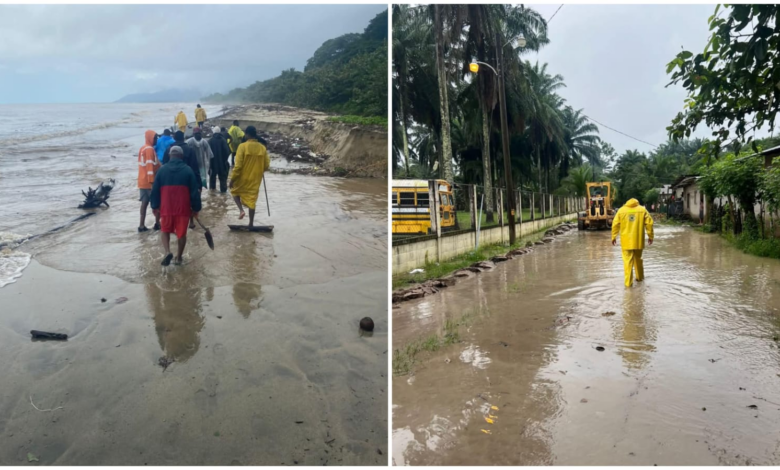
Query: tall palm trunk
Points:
[445, 168]
[404, 138]
[486, 173]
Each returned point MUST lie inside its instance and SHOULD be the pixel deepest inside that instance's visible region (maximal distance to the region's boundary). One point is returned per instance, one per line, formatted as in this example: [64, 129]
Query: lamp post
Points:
[510, 187]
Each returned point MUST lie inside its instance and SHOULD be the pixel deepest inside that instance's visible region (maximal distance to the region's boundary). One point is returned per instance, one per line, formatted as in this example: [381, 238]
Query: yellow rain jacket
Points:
[631, 222]
[181, 121]
[236, 134]
[251, 162]
[200, 115]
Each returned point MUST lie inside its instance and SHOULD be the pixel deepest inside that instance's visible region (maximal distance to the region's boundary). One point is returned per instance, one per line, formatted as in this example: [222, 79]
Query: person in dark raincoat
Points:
[220, 164]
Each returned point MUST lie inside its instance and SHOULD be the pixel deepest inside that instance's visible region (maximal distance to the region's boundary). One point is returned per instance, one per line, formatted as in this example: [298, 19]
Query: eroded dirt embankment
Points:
[335, 148]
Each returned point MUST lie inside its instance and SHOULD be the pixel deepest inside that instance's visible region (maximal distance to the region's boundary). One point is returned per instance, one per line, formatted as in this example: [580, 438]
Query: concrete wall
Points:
[691, 196]
[408, 255]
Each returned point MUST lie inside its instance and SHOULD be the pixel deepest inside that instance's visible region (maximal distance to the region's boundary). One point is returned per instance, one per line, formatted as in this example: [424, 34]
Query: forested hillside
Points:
[346, 75]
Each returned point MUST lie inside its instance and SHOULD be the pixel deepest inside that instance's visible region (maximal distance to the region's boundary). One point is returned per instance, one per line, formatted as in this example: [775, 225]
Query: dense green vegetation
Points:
[362, 120]
[346, 75]
[733, 82]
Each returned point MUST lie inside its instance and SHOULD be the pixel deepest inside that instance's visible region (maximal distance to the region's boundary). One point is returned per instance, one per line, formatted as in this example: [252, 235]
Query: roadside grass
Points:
[406, 357]
[485, 252]
[361, 120]
[764, 247]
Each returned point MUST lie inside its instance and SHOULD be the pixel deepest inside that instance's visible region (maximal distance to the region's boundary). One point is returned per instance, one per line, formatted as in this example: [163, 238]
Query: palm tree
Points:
[440, 16]
[546, 125]
[409, 32]
[582, 143]
[575, 183]
[484, 21]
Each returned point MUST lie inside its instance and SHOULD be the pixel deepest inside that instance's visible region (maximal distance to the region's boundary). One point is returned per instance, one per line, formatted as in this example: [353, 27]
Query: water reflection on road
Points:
[686, 354]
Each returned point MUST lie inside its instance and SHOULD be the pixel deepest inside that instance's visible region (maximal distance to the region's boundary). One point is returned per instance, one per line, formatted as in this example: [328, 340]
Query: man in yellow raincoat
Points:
[181, 121]
[236, 136]
[200, 116]
[251, 162]
[631, 222]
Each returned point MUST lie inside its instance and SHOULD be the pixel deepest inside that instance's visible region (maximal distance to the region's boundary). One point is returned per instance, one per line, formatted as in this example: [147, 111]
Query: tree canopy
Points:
[346, 75]
[445, 117]
[732, 84]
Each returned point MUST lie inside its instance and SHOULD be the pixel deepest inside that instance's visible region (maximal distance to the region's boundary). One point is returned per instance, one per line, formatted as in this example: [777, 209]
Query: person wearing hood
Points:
[189, 154]
[190, 158]
[219, 164]
[176, 201]
[200, 116]
[632, 221]
[236, 138]
[202, 152]
[251, 162]
[148, 164]
[163, 143]
[181, 121]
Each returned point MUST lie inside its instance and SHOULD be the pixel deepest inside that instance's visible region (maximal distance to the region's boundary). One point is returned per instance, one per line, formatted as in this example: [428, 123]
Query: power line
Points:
[556, 12]
[623, 133]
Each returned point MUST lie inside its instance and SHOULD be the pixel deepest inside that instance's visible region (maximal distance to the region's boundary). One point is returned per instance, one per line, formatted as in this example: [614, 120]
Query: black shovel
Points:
[209, 238]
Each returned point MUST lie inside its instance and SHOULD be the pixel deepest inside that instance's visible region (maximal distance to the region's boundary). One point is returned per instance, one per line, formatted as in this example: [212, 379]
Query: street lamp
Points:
[510, 187]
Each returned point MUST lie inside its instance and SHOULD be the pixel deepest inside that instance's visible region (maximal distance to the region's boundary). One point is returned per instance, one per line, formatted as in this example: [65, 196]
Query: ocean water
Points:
[50, 153]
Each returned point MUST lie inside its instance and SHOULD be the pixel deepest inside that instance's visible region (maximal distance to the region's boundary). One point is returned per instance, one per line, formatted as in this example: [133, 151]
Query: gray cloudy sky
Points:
[613, 59]
[98, 53]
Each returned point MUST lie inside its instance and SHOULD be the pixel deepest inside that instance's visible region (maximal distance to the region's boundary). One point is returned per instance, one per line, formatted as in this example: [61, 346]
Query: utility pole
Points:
[510, 189]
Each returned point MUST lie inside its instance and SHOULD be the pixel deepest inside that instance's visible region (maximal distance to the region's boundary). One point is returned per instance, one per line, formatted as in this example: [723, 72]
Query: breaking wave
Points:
[67, 133]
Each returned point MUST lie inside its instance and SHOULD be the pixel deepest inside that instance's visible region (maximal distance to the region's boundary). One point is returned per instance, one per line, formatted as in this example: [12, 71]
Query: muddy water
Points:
[268, 364]
[686, 355]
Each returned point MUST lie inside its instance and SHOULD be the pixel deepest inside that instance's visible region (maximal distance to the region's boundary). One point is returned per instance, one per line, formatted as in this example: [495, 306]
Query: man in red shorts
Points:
[175, 197]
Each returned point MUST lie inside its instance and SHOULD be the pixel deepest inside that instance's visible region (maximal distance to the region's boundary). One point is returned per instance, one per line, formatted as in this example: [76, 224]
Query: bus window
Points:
[407, 199]
[394, 200]
[423, 199]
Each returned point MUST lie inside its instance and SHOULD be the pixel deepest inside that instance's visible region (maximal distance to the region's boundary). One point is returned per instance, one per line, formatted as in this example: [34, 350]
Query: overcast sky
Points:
[99, 53]
[613, 59]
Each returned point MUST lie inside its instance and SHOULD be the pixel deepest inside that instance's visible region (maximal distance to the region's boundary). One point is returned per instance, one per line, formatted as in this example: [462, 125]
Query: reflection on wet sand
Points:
[247, 294]
[177, 320]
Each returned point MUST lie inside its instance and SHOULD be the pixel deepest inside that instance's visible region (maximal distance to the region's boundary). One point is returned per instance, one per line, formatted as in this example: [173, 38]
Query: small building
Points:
[686, 189]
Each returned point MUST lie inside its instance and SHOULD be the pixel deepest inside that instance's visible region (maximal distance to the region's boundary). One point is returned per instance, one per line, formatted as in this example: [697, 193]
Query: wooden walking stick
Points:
[268, 204]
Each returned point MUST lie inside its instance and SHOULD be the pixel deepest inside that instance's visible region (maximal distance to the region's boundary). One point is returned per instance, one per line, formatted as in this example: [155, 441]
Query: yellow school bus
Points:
[411, 206]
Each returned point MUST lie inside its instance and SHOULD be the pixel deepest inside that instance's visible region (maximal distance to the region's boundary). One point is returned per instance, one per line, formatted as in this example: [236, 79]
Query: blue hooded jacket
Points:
[163, 143]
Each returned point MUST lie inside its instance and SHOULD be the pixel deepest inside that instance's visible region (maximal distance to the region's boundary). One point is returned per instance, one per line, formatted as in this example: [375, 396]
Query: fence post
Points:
[552, 205]
[533, 215]
[501, 212]
[520, 207]
[433, 195]
[473, 205]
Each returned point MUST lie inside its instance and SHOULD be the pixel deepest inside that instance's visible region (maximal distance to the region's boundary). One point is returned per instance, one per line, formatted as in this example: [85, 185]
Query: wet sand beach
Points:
[266, 363]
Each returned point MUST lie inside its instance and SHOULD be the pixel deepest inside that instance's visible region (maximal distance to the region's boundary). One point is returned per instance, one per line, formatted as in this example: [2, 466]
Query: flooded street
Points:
[249, 354]
[689, 373]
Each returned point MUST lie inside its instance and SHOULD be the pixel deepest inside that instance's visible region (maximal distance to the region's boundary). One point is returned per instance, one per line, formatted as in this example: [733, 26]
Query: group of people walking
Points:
[172, 173]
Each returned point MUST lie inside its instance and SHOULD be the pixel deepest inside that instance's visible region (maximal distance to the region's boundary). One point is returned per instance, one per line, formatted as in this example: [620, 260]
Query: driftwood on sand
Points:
[96, 197]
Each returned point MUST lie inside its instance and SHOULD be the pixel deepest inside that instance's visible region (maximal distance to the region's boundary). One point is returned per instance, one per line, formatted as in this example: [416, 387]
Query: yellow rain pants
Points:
[632, 221]
[632, 259]
[251, 162]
